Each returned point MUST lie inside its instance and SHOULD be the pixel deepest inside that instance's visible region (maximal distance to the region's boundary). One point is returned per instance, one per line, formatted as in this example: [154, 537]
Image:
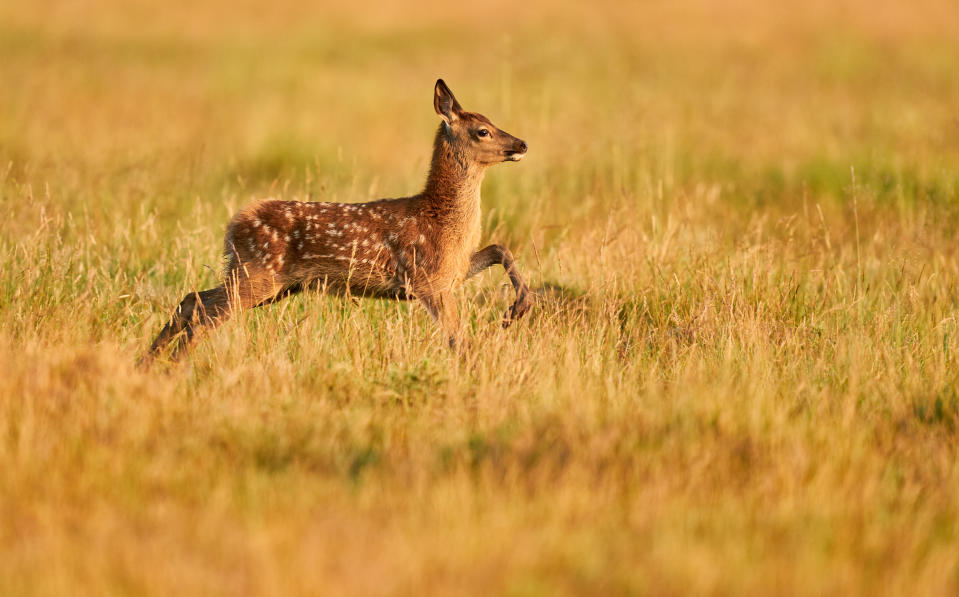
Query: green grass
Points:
[740, 376]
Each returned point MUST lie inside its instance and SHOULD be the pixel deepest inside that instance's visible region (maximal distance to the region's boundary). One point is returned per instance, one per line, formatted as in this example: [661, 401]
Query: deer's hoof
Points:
[517, 310]
[145, 362]
[460, 345]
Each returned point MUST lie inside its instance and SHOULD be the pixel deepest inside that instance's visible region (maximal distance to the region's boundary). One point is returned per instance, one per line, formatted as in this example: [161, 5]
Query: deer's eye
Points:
[483, 133]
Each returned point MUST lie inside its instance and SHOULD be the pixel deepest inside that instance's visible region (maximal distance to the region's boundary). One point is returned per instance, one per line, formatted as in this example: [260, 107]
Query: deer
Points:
[418, 248]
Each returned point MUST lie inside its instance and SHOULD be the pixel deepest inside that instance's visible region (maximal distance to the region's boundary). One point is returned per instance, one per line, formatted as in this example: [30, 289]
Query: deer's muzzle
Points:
[517, 151]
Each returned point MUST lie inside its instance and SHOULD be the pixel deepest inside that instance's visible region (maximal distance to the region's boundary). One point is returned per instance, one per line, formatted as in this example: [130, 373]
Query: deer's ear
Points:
[444, 102]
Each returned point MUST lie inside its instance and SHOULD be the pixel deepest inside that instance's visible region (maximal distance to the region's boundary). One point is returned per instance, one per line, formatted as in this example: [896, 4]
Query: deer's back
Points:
[371, 247]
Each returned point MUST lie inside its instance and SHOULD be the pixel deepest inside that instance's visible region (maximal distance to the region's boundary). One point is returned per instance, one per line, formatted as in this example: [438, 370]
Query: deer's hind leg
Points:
[204, 310]
[499, 255]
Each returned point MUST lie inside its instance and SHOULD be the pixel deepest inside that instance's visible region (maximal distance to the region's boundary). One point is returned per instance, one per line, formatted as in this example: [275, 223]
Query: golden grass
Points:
[740, 378]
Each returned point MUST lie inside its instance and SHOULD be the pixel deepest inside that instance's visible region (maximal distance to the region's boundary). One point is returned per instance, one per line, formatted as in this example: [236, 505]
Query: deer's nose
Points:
[521, 147]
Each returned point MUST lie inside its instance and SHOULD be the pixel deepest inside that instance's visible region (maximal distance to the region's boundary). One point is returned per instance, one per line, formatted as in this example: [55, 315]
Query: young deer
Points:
[418, 247]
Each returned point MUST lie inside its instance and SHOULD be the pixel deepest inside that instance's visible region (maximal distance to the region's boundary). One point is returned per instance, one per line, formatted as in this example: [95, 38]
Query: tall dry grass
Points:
[740, 377]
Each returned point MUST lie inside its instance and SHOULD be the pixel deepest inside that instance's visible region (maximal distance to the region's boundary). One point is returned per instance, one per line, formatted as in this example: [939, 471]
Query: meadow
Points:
[740, 376]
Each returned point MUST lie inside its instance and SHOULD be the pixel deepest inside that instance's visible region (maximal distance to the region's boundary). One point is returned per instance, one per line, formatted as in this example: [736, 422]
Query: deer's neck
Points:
[453, 184]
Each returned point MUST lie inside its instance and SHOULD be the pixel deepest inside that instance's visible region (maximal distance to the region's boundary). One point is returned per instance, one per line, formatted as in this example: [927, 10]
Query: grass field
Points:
[740, 377]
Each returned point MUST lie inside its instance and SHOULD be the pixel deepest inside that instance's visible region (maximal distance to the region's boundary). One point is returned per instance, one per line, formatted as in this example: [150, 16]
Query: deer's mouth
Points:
[517, 150]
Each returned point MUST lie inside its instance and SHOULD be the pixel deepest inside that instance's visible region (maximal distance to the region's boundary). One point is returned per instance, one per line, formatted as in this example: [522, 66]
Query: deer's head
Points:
[472, 135]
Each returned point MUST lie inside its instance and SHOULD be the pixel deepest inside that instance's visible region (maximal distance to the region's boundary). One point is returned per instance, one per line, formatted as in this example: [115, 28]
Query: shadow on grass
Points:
[551, 301]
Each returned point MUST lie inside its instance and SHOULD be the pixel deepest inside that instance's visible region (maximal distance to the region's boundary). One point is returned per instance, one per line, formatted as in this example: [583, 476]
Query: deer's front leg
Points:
[498, 254]
[442, 307]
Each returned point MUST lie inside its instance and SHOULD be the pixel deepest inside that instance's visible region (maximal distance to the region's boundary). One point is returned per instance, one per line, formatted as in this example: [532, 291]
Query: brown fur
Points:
[415, 247]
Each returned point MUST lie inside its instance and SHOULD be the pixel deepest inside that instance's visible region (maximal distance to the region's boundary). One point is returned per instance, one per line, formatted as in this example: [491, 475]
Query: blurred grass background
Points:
[741, 377]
